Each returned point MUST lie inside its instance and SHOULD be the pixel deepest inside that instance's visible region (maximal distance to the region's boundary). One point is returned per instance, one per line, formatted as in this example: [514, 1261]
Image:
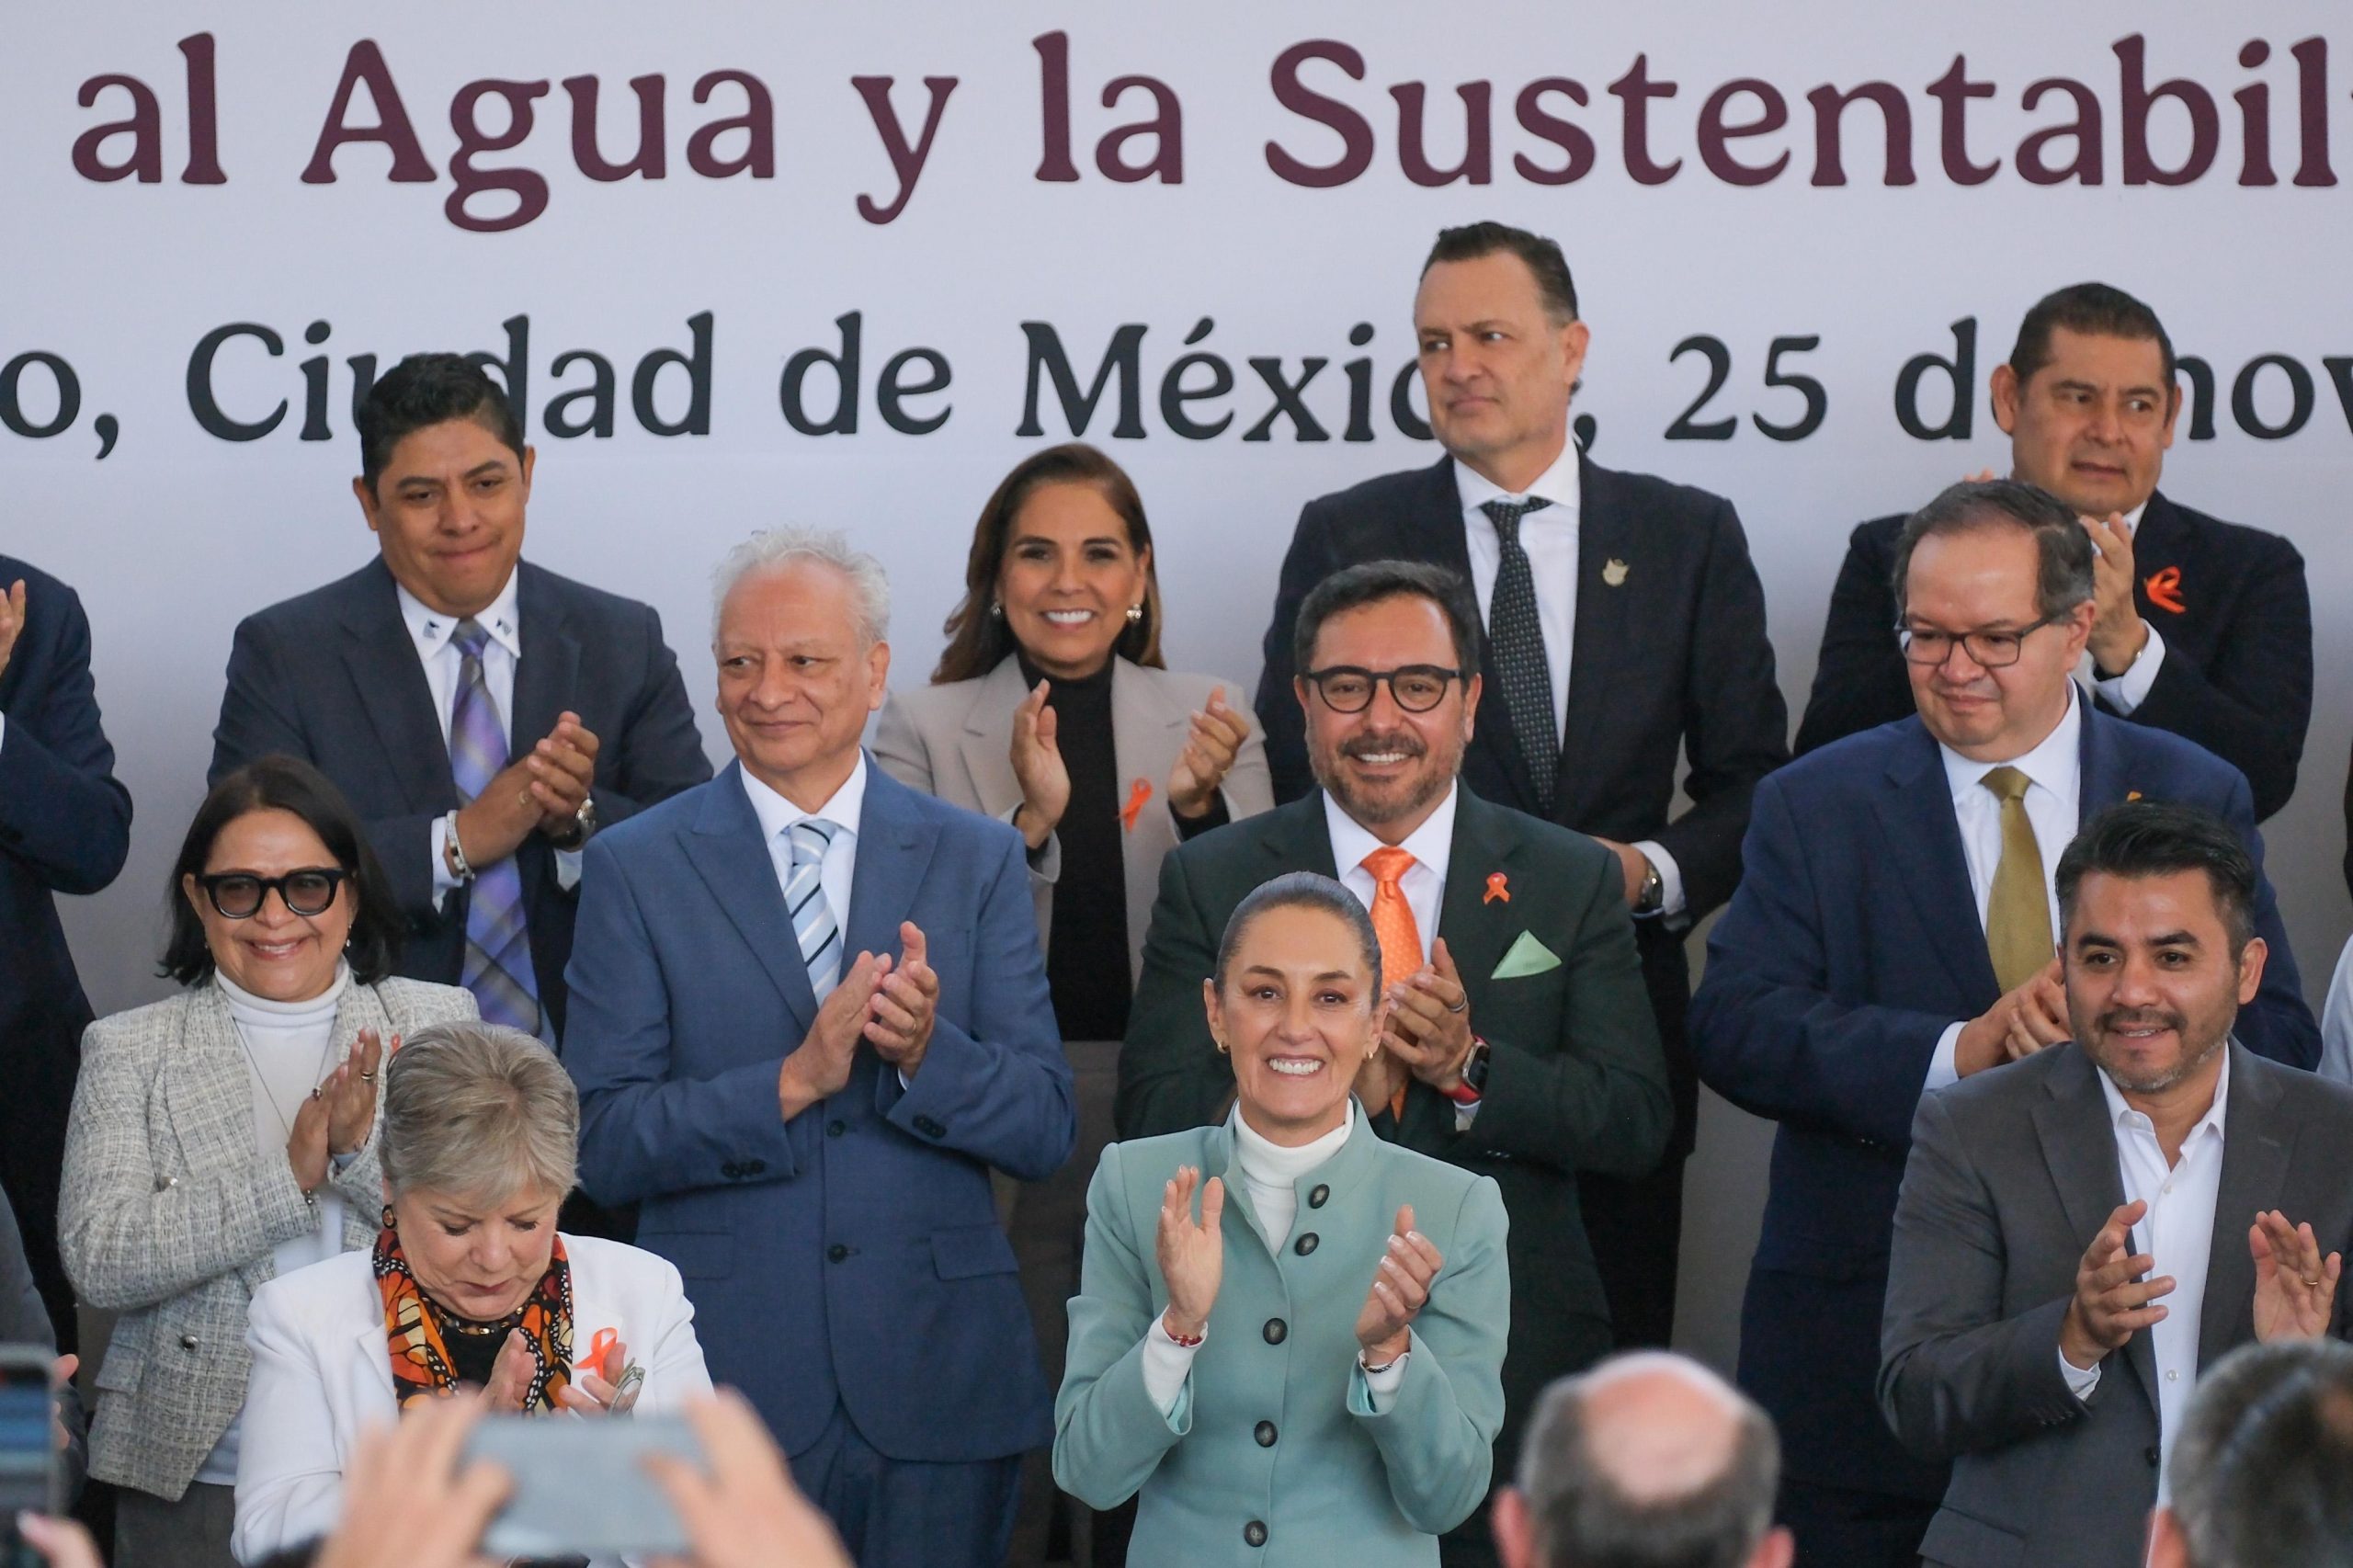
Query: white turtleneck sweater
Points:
[1272, 1173]
[289, 1050]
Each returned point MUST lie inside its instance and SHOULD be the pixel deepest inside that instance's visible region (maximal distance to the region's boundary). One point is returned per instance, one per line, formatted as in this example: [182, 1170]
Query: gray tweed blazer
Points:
[169, 1217]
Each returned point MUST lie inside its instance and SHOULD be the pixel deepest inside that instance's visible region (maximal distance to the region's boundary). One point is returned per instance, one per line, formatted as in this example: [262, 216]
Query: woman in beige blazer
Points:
[227, 1135]
[1050, 710]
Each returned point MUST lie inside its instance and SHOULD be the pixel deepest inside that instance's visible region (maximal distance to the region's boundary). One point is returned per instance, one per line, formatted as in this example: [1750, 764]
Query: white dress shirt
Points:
[1548, 535]
[2127, 690]
[2178, 1231]
[431, 631]
[2336, 1022]
[838, 870]
[2053, 805]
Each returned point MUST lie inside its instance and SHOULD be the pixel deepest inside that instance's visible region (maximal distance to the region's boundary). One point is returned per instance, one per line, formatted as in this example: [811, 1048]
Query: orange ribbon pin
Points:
[1138, 793]
[1498, 887]
[602, 1349]
[2165, 589]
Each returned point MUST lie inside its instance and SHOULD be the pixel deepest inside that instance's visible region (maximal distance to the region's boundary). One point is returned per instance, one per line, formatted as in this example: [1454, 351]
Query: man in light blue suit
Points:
[808, 1016]
[1894, 933]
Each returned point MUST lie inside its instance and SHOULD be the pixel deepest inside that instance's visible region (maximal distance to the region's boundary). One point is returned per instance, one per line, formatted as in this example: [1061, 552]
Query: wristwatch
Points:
[1653, 894]
[584, 823]
[1474, 1075]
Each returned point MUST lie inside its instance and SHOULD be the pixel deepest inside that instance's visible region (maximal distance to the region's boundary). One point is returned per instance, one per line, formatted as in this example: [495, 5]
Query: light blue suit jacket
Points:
[852, 1253]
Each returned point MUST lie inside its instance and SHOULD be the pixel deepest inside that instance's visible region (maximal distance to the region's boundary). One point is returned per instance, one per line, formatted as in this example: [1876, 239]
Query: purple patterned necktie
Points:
[498, 952]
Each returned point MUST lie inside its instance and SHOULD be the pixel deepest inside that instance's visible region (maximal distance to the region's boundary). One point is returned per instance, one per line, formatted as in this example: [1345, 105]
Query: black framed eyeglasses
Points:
[1987, 650]
[1348, 689]
[307, 890]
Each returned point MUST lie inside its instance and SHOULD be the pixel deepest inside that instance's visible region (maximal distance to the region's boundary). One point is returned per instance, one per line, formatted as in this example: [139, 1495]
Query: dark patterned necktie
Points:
[497, 966]
[1517, 638]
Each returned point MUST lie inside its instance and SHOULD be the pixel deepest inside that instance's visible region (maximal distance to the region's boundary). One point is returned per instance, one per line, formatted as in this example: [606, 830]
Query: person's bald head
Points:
[1648, 1459]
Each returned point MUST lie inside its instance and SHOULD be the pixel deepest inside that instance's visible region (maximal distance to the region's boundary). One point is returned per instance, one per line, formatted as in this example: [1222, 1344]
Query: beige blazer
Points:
[956, 741]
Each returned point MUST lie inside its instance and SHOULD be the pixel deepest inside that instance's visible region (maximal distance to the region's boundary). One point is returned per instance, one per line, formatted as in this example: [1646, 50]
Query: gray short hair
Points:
[773, 550]
[479, 1111]
[1584, 1517]
[2263, 1470]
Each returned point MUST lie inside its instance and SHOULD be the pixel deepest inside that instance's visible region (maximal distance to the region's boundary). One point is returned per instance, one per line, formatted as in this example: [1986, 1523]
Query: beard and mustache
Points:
[1397, 798]
[2116, 1020]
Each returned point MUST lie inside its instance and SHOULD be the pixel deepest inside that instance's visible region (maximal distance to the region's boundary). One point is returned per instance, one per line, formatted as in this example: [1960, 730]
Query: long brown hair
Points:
[978, 641]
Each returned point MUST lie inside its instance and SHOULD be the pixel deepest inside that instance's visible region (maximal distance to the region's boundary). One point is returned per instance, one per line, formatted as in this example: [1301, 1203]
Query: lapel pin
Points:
[1498, 887]
[2165, 590]
[2130, 796]
[1613, 572]
[1138, 793]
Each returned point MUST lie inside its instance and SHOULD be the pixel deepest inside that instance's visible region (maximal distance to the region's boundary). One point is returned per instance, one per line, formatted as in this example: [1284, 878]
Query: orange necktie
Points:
[1393, 922]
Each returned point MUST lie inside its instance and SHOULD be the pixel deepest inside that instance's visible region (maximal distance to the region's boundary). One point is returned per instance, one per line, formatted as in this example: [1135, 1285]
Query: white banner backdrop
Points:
[752, 263]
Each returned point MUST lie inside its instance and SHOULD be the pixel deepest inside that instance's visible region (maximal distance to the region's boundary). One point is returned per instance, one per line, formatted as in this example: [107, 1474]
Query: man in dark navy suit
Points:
[809, 1018]
[1625, 628]
[1895, 932]
[485, 716]
[2200, 627]
[65, 827]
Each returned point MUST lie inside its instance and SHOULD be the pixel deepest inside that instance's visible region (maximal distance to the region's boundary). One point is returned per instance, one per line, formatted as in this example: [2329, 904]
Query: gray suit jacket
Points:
[169, 1216]
[956, 741]
[2012, 1173]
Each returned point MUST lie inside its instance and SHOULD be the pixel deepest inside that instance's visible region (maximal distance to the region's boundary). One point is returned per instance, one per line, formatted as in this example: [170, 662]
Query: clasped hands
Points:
[1192, 1260]
[1425, 1031]
[540, 792]
[340, 1114]
[891, 1006]
[1214, 739]
[2028, 1017]
[2295, 1287]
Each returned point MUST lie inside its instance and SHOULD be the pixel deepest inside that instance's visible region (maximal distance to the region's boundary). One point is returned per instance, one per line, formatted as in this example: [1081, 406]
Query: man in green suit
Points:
[1519, 1042]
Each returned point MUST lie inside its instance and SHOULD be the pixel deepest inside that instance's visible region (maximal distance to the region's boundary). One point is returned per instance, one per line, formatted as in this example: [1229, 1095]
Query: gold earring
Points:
[1219, 1043]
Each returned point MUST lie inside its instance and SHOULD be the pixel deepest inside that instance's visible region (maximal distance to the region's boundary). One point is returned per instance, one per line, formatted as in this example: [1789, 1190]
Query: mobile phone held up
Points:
[31, 1477]
[581, 1487]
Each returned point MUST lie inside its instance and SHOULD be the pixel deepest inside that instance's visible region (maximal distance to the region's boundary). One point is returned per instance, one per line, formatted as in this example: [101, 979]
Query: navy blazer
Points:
[1853, 942]
[2234, 613]
[333, 676]
[64, 821]
[852, 1253]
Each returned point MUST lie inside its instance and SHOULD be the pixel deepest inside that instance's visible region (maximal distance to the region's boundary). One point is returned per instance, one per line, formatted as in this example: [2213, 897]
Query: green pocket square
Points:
[1527, 955]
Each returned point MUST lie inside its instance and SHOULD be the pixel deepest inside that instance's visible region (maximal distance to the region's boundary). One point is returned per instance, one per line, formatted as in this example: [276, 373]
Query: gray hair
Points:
[2263, 1471]
[774, 550]
[1583, 1515]
[480, 1111]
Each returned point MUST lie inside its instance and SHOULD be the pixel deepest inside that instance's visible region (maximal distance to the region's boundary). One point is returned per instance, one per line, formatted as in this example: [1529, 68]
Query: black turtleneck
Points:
[1087, 944]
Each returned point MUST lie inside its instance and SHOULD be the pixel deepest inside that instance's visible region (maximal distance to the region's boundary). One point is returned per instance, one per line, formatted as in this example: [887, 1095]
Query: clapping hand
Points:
[407, 1502]
[12, 620]
[1037, 768]
[2037, 1017]
[2295, 1288]
[351, 1094]
[906, 1003]
[2118, 631]
[561, 769]
[1428, 1022]
[589, 1393]
[1401, 1288]
[819, 1065]
[511, 1374]
[1191, 1252]
[1213, 740]
[306, 1141]
[2113, 1300]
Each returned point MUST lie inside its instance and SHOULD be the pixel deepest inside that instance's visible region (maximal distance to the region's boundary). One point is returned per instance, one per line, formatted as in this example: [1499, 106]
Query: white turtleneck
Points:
[1272, 1173]
[289, 1048]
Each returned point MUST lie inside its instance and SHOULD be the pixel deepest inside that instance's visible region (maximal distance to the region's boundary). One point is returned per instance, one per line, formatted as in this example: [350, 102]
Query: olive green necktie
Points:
[2017, 915]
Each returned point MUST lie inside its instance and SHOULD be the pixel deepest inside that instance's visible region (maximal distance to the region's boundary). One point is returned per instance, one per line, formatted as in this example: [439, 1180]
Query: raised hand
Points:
[2118, 631]
[306, 1142]
[2019, 1023]
[906, 1005]
[1212, 741]
[1400, 1287]
[510, 1375]
[1037, 768]
[11, 620]
[2295, 1288]
[409, 1499]
[2113, 1301]
[746, 1513]
[1428, 1023]
[819, 1065]
[561, 770]
[351, 1094]
[1191, 1252]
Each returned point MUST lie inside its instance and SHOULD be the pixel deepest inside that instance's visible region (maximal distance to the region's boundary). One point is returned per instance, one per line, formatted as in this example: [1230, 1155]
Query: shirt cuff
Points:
[1464, 1115]
[1189, 828]
[1381, 1387]
[1943, 1069]
[567, 867]
[1670, 878]
[2127, 691]
[1166, 1364]
[444, 884]
[3, 741]
[2081, 1380]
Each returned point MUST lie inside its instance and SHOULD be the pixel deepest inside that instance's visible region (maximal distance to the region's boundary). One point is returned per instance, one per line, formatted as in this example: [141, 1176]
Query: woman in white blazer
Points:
[227, 1134]
[468, 1282]
[1050, 710]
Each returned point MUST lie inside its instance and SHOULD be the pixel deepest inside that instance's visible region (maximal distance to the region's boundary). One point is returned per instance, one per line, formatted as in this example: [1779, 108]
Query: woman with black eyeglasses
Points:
[227, 1135]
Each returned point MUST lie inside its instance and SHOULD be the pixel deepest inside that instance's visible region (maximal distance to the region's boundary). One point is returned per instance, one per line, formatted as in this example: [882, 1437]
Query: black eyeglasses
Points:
[1987, 650]
[1348, 689]
[238, 895]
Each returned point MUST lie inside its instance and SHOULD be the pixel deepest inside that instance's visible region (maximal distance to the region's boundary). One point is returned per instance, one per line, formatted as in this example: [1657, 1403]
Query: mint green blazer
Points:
[1273, 1455]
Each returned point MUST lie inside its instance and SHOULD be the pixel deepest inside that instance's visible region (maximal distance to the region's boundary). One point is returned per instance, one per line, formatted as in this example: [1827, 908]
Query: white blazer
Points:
[323, 1374]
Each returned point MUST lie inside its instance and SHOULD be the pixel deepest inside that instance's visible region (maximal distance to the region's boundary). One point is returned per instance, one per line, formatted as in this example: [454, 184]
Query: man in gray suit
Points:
[2073, 1243]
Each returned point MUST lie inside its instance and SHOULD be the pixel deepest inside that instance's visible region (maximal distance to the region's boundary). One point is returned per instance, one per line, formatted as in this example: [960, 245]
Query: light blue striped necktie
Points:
[814, 924]
[497, 966]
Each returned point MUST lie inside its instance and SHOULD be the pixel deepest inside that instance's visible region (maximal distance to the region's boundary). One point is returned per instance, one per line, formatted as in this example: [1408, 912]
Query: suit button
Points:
[188, 1341]
[730, 1170]
[1254, 1534]
[1275, 1331]
[1265, 1433]
[1305, 1243]
[1319, 1196]
[2152, 1454]
[755, 1167]
[837, 1128]
[837, 1252]
[929, 1128]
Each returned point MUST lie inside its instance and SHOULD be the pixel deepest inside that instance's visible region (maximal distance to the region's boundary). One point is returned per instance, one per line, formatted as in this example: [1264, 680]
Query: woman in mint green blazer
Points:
[1310, 1372]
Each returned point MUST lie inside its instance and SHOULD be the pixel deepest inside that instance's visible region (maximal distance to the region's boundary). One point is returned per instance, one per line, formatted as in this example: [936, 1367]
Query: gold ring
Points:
[2313, 1280]
[367, 1077]
[522, 797]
